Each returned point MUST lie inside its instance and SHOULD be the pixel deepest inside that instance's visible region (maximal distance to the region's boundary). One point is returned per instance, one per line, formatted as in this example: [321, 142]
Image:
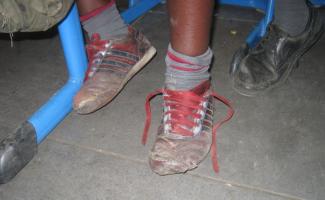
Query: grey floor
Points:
[273, 149]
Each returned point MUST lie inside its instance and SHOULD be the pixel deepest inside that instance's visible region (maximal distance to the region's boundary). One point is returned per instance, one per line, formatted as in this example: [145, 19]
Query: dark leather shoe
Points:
[257, 69]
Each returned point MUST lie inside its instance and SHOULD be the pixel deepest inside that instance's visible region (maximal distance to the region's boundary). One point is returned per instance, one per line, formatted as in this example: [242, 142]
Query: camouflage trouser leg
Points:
[31, 15]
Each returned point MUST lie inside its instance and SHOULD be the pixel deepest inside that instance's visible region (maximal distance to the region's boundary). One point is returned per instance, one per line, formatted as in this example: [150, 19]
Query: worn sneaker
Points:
[112, 63]
[187, 132]
[254, 70]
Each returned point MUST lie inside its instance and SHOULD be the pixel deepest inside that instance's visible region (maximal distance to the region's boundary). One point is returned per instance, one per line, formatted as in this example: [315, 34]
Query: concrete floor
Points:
[273, 149]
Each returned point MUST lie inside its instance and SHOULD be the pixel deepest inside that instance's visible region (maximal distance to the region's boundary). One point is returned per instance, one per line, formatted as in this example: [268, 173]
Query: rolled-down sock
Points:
[106, 21]
[184, 72]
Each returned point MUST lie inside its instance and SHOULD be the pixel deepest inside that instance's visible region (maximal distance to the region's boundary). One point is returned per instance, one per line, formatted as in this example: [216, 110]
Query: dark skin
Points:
[190, 23]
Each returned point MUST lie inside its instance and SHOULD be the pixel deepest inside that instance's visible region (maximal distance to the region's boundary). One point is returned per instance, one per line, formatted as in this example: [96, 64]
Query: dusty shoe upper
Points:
[187, 131]
[255, 69]
[111, 64]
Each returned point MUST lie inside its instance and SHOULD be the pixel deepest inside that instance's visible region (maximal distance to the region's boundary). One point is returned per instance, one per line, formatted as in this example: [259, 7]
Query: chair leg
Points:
[60, 104]
[257, 4]
[267, 6]
[133, 3]
[318, 3]
[138, 8]
[260, 30]
[20, 147]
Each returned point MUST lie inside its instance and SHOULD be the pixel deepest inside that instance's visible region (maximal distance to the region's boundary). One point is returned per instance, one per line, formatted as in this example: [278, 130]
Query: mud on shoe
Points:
[186, 133]
[112, 63]
[256, 69]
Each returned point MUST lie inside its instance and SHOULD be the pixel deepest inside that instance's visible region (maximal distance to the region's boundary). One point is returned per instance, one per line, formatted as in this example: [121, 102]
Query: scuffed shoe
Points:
[257, 69]
[187, 132]
[112, 63]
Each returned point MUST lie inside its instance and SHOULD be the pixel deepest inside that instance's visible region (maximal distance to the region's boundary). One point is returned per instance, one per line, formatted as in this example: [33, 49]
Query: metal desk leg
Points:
[20, 147]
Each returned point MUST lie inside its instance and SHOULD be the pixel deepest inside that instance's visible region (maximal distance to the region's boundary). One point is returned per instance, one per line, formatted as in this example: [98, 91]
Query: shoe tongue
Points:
[201, 88]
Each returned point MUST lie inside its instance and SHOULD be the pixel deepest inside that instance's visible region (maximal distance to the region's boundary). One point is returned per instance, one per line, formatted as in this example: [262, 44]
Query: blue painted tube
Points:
[318, 2]
[257, 4]
[138, 9]
[254, 36]
[260, 30]
[133, 3]
[60, 104]
[269, 13]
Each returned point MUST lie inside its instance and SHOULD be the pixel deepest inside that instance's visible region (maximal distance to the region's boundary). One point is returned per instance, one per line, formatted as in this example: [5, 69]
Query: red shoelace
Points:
[184, 115]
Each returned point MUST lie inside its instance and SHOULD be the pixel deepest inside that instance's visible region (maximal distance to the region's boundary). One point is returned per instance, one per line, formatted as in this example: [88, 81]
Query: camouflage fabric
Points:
[31, 15]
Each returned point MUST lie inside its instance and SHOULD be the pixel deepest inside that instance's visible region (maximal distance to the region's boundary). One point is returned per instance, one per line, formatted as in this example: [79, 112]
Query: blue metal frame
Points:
[318, 2]
[60, 104]
[257, 4]
[138, 8]
[260, 30]
[267, 6]
[18, 148]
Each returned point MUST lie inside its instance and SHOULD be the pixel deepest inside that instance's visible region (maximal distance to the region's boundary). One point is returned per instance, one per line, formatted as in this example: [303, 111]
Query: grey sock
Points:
[185, 72]
[291, 15]
[108, 24]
